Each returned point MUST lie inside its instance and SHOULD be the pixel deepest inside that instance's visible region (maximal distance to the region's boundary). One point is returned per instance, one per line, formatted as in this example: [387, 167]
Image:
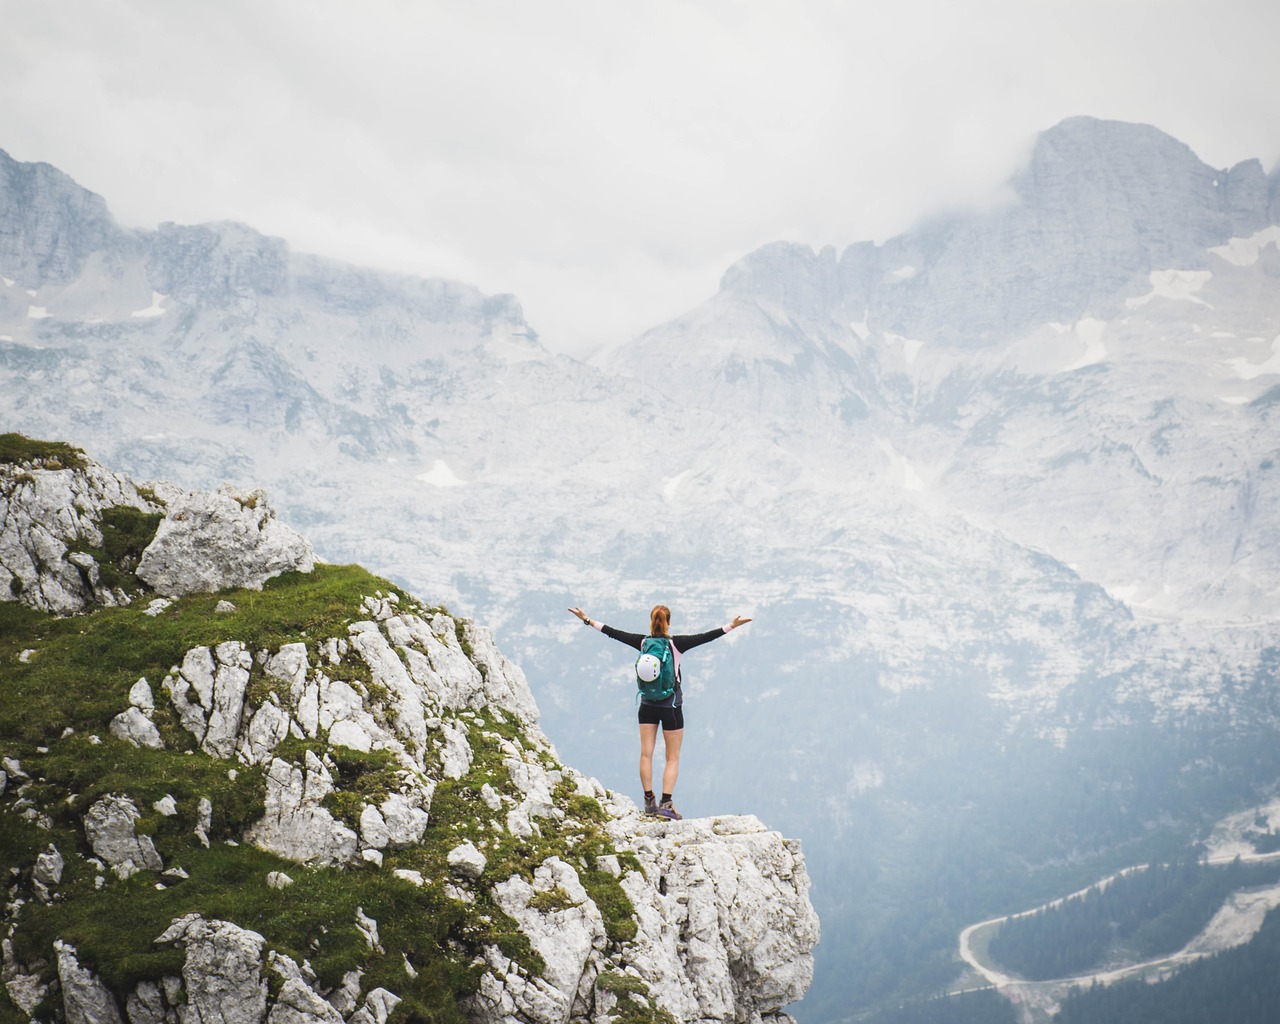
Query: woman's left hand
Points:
[738, 620]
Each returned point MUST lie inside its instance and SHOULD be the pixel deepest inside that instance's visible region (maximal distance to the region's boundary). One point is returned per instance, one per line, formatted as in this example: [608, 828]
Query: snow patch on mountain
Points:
[1247, 370]
[1089, 330]
[900, 470]
[909, 346]
[1244, 252]
[1177, 285]
[440, 475]
[155, 309]
[671, 484]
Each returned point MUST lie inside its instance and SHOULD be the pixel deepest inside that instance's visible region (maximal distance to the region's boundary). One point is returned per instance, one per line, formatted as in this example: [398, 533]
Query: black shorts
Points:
[670, 719]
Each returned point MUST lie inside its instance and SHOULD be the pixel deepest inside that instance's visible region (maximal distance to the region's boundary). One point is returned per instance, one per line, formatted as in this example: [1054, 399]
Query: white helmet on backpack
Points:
[648, 667]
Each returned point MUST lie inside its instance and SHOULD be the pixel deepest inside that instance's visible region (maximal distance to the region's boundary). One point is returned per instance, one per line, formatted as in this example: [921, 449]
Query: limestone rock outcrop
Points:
[735, 902]
[85, 999]
[390, 759]
[110, 829]
[210, 541]
[55, 554]
[725, 927]
[48, 518]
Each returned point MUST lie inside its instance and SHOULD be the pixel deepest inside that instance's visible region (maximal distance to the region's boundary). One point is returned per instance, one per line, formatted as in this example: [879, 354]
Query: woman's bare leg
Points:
[673, 738]
[648, 739]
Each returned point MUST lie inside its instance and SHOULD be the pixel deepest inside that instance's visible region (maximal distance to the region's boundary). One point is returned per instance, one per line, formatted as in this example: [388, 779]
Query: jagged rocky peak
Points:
[59, 239]
[792, 276]
[49, 225]
[1082, 153]
[1137, 191]
[211, 263]
[224, 264]
[324, 801]
[1097, 207]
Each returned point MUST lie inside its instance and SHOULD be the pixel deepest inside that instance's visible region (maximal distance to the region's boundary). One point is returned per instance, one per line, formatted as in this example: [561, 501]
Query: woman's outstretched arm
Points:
[685, 643]
[630, 639]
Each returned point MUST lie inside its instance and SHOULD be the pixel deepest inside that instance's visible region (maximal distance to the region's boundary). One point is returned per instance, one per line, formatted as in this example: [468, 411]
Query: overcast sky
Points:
[603, 161]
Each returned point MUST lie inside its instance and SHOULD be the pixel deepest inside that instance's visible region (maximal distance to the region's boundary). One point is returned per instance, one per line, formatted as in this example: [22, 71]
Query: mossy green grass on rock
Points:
[577, 836]
[62, 680]
[114, 927]
[634, 1004]
[78, 669]
[361, 778]
[19, 450]
[126, 533]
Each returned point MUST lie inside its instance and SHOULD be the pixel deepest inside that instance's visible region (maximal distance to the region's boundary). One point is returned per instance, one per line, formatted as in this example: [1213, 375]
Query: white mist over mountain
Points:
[603, 162]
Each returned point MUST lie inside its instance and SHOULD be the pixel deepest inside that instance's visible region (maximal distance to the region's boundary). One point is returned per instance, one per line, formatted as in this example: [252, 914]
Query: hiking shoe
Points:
[650, 805]
[665, 810]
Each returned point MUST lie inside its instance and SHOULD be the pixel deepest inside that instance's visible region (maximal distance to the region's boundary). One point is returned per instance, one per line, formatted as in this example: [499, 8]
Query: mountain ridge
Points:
[895, 285]
[997, 586]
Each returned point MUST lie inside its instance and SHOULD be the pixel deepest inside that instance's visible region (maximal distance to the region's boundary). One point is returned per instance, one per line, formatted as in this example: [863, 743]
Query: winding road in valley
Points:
[1234, 924]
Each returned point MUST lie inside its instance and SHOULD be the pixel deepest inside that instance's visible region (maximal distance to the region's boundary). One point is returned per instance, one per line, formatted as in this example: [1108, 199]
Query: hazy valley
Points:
[1001, 494]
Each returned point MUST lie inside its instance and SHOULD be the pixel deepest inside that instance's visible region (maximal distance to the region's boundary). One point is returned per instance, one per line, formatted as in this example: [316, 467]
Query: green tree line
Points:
[1241, 985]
[986, 1006]
[1145, 914]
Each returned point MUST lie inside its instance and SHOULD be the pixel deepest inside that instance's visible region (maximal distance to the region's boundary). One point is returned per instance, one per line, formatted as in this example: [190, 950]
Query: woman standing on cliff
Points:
[668, 713]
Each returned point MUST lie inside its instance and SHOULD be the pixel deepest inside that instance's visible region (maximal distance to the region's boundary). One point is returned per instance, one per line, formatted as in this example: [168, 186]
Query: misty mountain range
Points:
[1001, 494]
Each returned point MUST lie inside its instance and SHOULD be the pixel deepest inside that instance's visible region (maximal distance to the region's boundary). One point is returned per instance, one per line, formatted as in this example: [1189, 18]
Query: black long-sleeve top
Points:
[679, 644]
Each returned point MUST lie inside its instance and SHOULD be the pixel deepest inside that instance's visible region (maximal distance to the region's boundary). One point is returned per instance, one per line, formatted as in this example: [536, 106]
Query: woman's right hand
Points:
[580, 613]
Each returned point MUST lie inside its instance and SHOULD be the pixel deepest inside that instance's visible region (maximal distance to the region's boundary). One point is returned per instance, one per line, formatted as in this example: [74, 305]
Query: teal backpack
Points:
[655, 670]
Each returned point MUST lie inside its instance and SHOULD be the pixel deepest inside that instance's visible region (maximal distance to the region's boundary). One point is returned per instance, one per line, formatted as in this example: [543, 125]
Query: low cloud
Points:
[603, 162]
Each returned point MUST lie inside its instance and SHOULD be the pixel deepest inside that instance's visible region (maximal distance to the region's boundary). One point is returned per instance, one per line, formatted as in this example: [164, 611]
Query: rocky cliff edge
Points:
[243, 787]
